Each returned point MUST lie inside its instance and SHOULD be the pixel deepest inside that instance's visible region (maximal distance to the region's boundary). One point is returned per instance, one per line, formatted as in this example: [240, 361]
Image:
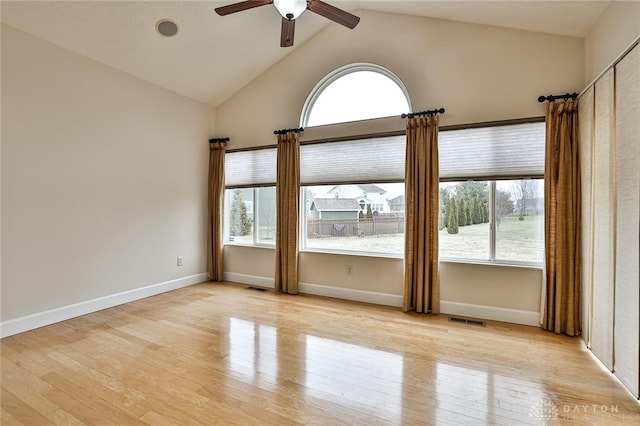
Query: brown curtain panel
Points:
[421, 279]
[288, 200]
[216, 199]
[562, 220]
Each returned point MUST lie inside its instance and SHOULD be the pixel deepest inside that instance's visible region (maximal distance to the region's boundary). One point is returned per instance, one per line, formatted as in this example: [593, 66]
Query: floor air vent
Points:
[467, 321]
[257, 288]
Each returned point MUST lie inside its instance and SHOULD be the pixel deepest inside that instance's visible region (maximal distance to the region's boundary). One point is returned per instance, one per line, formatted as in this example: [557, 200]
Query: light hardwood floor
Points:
[223, 354]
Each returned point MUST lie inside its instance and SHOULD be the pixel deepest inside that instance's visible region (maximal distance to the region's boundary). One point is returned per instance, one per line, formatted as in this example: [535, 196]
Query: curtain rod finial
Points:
[223, 140]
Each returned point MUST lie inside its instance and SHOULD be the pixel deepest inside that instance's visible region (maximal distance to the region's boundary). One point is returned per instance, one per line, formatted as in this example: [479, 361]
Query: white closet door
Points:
[627, 289]
[604, 222]
[586, 144]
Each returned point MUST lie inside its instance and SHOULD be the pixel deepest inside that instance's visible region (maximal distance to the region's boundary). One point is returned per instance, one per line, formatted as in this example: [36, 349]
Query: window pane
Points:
[266, 215]
[520, 220]
[239, 215]
[464, 220]
[358, 95]
[354, 217]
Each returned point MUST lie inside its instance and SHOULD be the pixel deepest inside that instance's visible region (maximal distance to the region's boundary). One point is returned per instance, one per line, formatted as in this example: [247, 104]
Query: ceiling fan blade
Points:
[239, 7]
[331, 12]
[286, 36]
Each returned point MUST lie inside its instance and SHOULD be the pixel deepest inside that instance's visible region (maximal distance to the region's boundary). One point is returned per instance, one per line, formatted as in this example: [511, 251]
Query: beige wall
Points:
[478, 73]
[617, 28]
[103, 179]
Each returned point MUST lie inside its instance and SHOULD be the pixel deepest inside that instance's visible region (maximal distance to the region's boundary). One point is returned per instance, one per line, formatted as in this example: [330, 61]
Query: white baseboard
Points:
[453, 308]
[320, 290]
[40, 319]
[252, 280]
[493, 313]
[351, 294]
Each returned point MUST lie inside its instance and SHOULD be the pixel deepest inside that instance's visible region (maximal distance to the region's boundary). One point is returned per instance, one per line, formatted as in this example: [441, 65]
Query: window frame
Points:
[492, 260]
[491, 181]
[255, 230]
[303, 227]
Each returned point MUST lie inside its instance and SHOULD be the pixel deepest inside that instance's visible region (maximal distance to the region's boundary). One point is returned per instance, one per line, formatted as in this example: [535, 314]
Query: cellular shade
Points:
[365, 160]
[250, 168]
[627, 274]
[499, 152]
[603, 222]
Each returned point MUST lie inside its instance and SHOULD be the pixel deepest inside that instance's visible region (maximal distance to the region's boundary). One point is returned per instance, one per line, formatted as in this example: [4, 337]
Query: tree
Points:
[441, 224]
[240, 223]
[462, 212]
[452, 224]
[444, 200]
[504, 205]
[369, 212]
[267, 219]
[485, 213]
[525, 192]
[470, 190]
[476, 211]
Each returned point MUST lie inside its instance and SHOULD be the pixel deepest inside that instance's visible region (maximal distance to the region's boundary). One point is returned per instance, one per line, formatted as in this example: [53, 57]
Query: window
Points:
[359, 205]
[342, 224]
[492, 194]
[251, 215]
[250, 197]
[516, 207]
[519, 235]
[355, 92]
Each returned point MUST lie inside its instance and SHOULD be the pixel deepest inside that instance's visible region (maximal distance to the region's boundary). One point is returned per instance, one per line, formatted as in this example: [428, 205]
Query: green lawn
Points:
[515, 241]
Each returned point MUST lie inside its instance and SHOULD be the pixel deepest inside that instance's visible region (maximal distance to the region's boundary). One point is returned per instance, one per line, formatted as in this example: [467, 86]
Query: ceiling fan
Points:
[290, 10]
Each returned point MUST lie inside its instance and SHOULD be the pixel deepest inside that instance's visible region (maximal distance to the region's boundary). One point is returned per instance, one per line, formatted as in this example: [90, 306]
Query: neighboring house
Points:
[365, 195]
[334, 208]
[396, 204]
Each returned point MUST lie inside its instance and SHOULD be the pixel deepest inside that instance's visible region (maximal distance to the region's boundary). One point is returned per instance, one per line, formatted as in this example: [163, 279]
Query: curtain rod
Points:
[285, 131]
[223, 140]
[429, 112]
[553, 98]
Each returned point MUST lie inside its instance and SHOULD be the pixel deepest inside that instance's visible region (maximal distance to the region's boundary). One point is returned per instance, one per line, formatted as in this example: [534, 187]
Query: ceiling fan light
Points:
[290, 7]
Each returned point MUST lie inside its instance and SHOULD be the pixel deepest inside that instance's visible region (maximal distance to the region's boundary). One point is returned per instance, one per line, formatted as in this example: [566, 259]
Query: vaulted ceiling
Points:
[212, 57]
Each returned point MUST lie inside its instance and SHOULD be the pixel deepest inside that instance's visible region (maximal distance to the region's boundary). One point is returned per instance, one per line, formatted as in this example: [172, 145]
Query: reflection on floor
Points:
[220, 353]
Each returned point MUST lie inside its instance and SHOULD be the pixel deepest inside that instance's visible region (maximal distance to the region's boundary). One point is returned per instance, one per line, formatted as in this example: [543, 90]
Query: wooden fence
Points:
[380, 225]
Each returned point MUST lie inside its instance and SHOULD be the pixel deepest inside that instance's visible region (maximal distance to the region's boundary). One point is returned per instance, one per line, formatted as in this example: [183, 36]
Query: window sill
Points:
[526, 265]
[260, 246]
[353, 253]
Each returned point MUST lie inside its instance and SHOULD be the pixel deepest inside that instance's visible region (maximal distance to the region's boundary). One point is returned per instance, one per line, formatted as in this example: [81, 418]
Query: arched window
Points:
[355, 92]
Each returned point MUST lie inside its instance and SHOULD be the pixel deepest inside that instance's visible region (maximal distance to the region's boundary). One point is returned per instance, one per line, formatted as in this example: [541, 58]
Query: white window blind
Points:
[498, 152]
[364, 160]
[250, 168]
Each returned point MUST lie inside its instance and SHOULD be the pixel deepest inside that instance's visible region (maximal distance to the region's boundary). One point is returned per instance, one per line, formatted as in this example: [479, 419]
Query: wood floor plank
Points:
[63, 418]
[6, 419]
[86, 397]
[20, 410]
[220, 354]
[25, 393]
